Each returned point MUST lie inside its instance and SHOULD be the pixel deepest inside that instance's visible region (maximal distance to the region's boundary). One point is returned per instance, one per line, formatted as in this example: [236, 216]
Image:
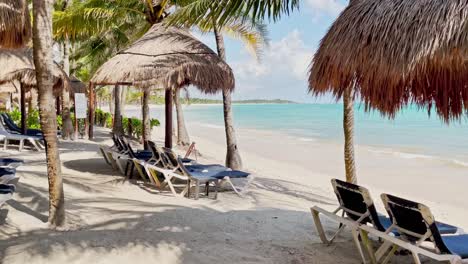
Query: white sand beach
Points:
[112, 221]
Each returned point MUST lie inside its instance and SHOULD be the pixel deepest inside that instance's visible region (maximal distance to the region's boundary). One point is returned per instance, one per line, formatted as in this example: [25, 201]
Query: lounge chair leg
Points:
[416, 258]
[321, 231]
[367, 243]
[207, 189]
[197, 189]
[5, 144]
[358, 245]
[33, 142]
[21, 145]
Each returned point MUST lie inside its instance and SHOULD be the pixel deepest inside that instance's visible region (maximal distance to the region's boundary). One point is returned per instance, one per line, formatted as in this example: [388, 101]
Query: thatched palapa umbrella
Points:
[17, 65]
[396, 52]
[166, 58]
[391, 53]
[15, 25]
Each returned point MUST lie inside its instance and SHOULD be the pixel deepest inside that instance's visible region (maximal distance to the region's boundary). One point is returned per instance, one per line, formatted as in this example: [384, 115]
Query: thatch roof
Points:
[15, 25]
[77, 86]
[10, 87]
[166, 58]
[18, 64]
[397, 52]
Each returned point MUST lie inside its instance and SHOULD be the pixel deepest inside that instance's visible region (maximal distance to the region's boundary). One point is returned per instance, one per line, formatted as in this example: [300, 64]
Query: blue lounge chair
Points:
[7, 174]
[199, 174]
[10, 162]
[416, 224]
[6, 192]
[357, 208]
[10, 125]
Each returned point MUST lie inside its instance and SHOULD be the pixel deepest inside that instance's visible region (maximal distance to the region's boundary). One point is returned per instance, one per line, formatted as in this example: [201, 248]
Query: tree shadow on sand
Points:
[177, 234]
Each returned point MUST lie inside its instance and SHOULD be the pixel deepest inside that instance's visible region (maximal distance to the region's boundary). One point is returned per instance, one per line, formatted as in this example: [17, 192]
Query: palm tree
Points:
[42, 45]
[183, 138]
[348, 128]
[118, 127]
[102, 15]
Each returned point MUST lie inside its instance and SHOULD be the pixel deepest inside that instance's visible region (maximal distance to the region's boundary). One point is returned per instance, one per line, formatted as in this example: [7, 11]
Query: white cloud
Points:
[331, 7]
[289, 56]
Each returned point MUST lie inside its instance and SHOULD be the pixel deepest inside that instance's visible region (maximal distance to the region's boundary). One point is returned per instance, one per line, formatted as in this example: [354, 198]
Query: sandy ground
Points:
[113, 221]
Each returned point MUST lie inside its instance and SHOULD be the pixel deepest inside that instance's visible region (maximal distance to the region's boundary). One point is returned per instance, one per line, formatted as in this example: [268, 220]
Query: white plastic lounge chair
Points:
[35, 141]
[417, 228]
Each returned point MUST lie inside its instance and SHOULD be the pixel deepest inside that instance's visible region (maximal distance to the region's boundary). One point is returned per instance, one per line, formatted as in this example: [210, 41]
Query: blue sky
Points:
[282, 71]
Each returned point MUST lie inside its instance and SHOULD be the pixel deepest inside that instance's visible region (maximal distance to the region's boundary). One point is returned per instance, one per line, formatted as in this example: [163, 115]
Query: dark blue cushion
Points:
[7, 171]
[209, 167]
[7, 161]
[457, 245]
[233, 174]
[444, 229]
[6, 188]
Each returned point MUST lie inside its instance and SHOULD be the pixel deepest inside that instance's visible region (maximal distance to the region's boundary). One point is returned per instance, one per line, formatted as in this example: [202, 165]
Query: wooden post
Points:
[91, 111]
[76, 119]
[58, 106]
[24, 125]
[168, 103]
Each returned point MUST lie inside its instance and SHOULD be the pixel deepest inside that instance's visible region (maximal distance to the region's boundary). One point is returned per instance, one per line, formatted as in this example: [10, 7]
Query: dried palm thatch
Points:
[15, 25]
[396, 52]
[10, 87]
[167, 58]
[77, 86]
[17, 64]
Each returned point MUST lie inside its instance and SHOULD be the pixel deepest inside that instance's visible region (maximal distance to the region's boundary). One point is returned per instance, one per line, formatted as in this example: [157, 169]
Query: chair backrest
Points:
[9, 123]
[128, 147]
[356, 201]
[173, 162]
[157, 159]
[117, 144]
[414, 221]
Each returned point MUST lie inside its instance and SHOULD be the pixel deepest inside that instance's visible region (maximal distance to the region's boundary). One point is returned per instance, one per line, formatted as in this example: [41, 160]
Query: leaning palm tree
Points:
[42, 45]
[254, 35]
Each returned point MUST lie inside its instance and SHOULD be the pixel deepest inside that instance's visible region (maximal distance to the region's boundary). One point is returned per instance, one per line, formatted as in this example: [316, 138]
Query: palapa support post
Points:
[23, 110]
[58, 105]
[91, 111]
[76, 119]
[168, 103]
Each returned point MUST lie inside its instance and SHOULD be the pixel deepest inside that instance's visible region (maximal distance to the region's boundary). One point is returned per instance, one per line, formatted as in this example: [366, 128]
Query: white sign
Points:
[81, 106]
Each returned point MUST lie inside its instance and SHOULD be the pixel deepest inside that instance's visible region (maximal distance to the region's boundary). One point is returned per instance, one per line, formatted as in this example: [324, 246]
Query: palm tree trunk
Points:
[183, 138]
[42, 44]
[233, 159]
[348, 127]
[123, 99]
[146, 117]
[67, 124]
[118, 128]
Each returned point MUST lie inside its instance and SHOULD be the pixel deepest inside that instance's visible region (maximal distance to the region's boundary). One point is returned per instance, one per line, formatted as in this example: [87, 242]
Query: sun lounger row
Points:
[8, 178]
[165, 169]
[410, 226]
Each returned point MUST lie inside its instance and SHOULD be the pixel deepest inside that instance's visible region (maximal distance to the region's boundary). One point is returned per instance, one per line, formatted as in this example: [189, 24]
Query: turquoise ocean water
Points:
[412, 134]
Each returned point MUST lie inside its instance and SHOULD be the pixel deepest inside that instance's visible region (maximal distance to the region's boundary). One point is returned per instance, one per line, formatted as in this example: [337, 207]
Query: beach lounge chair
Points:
[34, 141]
[6, 192]
[10, 162]
[7, 174]
[417, 228]
[200, 174]
[357, 208]
[12, 127]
